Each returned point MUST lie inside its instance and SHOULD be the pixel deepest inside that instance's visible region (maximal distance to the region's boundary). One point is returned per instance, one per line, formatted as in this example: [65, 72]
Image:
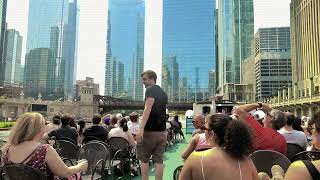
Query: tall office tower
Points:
[236, 30]
[52, 33]
[188, 49]
[3, 14]
[305, 43]
[13, 57]
[125, 49]
[272, 61]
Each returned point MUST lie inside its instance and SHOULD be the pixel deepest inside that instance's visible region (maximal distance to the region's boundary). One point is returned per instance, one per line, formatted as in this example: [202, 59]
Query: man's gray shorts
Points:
[153, 143]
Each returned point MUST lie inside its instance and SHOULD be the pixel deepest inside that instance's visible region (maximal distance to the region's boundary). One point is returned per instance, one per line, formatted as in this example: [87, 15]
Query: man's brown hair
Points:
[151, 75]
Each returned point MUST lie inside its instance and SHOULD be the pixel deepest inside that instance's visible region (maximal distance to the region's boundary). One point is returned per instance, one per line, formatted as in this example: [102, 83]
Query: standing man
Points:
[151, 137]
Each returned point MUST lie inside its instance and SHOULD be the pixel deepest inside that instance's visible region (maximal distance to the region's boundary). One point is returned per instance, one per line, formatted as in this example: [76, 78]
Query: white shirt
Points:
[118, 132]
[295, 137]
[133, 127]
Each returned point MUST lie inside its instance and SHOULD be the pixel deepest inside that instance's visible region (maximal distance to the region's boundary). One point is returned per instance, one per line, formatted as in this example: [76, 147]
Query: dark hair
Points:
[72, 123]
[290, 119]
[151, 75]
[297, 124]
[134, 117]
[316, 121]
[82, 125]
[279, 119]
[56, 119]
[113, 120]
[123, 124]
[176, 118]
[96, 119]
[231, 135]
[65, 119]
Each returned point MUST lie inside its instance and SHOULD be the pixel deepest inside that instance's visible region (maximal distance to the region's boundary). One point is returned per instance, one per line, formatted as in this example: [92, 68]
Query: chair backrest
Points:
[292, 150]
[307, 155]
[89, 138]
[66, 149]
[265, 159]
[22, 171]
[93, 152]
[177, 172]
[119, 143]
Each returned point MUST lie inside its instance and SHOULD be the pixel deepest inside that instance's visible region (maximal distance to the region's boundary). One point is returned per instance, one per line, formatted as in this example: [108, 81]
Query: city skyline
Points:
[95, 21]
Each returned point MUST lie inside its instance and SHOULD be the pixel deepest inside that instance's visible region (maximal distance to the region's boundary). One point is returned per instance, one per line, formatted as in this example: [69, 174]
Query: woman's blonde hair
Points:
[27, 127]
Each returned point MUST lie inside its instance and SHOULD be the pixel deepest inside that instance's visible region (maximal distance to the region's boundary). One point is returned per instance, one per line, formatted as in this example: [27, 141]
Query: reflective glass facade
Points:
[13, 56]
[125, 49]
[236, 30]
[188, 49]
[3, 13]
[52, 30]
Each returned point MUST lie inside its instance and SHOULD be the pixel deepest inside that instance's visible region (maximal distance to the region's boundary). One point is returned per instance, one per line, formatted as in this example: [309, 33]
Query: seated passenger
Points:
[228, 160]
[23, 147]
[54, 125]
[133, 124]
[123, 132]
[307, 170]
[265, 137]
[199, 142]
[293, 136]
[65, 132]
[96, 130]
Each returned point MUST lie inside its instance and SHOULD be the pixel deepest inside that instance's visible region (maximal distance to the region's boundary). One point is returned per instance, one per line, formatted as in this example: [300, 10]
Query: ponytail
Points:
[123, 124]
[237, 140]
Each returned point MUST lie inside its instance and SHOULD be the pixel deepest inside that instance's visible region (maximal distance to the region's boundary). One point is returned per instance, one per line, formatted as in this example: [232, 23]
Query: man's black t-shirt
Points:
[96, 131]
[157, 118]
[65, 132]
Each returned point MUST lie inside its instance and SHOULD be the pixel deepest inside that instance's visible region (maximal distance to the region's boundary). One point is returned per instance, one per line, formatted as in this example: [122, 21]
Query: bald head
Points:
[198, 121]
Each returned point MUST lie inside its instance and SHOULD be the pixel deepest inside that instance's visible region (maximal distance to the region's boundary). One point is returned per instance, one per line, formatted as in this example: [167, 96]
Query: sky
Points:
[92, 31]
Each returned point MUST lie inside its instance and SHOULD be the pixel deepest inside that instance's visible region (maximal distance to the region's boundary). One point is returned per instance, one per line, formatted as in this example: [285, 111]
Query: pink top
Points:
[202, 143]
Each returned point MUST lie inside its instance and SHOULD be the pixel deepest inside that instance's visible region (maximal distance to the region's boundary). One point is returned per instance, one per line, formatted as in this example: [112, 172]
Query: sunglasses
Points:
[203, 128]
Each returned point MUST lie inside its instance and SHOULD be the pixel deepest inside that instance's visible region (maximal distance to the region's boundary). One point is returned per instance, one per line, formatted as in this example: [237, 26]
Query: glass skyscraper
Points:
[3, 14]
[236, 30]
[188, 49]
[125, 49]
[13, 56]
[52, 37]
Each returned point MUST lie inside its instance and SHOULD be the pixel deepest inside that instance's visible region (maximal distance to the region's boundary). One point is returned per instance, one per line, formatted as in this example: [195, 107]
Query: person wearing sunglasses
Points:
[198, 123]
[307, 170]
[199, 142]
[266, 137]
[228, 160]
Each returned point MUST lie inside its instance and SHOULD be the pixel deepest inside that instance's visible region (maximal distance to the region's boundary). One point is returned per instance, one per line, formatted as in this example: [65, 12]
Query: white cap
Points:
[260, 114]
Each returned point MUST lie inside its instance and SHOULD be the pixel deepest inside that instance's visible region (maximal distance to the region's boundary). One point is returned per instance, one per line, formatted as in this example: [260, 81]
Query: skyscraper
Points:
[125, 49]
[52, 32]
[236, 30]
[189, 37]
[272, 61]
[305, 51]
[13, 57]
[3, 14]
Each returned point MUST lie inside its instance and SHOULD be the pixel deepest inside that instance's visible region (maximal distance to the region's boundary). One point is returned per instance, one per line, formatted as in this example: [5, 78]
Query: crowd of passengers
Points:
[221, 144]
[219, 148]
[25, 141]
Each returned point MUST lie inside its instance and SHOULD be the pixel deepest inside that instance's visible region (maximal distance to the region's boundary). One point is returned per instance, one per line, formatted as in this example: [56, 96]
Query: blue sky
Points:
[92, 33]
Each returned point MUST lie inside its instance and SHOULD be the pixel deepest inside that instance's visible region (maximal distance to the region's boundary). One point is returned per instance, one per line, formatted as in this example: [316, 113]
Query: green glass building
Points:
[52, 33]
[236, 31]
[13, 57]
[3, 13]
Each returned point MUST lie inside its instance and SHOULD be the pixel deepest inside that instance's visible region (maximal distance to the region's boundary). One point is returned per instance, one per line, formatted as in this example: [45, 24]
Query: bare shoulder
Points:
[296, 171]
